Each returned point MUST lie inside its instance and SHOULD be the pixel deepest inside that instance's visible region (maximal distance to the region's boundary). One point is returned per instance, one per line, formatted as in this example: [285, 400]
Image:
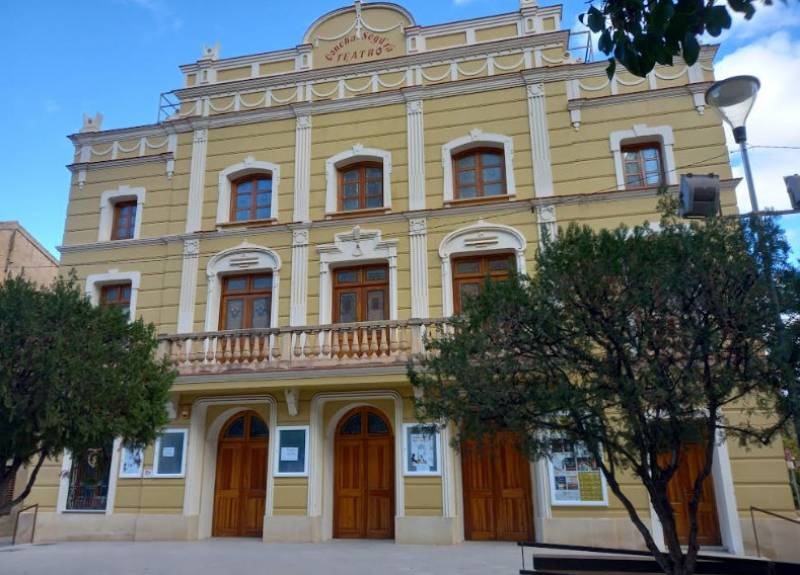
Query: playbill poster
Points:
[422, 456]
[576, 477]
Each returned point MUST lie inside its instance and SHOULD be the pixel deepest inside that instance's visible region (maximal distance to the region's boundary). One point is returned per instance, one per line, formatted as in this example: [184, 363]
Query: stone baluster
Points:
[245, 348]
[237, 349]
[384, 346]
[373, 343]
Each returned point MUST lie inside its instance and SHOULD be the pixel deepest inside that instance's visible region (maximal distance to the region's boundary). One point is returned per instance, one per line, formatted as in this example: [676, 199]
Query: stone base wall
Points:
[426, 530]
[594, 532]
[777, 539]
[100, 527]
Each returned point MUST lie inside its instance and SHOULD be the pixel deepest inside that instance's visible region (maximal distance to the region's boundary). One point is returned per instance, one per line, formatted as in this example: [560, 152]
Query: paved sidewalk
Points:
[242, 556]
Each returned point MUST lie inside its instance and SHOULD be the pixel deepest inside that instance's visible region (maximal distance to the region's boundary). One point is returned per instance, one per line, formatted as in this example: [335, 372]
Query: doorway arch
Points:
[240, 488]
[363, 471]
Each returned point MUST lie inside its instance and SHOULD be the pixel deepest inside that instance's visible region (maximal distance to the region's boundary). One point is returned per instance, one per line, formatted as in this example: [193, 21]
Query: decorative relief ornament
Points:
[475, 134]
[92, 124]
[300, 237]
[191, 247]
[536, 90]
[417, 226]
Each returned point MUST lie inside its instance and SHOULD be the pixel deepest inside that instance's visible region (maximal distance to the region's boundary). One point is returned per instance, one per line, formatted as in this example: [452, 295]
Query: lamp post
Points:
[733, 98]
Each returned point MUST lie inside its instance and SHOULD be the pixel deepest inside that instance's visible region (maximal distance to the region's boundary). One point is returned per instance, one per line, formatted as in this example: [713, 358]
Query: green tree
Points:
[629, 342]
[72, 376]
[642, 33]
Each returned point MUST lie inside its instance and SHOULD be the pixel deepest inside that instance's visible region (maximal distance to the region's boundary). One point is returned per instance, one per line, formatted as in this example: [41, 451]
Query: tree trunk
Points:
[11, 472]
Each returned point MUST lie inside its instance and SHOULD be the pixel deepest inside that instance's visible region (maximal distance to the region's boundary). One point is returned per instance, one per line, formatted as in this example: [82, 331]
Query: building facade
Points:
[21, 254]
[298, 220]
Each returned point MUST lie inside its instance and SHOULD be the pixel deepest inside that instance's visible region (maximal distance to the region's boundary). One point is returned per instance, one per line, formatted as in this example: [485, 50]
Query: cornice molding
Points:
[511, 206]
[121, 162]
[389, 65]
[616, 99]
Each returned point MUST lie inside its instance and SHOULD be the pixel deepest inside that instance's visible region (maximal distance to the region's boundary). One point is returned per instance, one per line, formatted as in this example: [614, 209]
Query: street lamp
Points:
[733, 98]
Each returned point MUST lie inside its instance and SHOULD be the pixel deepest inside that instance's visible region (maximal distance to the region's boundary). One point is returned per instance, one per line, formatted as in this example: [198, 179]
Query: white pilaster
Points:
[540, 141]
[197, 181]
[302, 168]
[416, 155]
[188, 293]
[418, 236]
[297, 304]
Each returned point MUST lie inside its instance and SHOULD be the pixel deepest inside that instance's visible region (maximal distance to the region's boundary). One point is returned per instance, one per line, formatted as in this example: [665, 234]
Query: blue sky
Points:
[116, 56]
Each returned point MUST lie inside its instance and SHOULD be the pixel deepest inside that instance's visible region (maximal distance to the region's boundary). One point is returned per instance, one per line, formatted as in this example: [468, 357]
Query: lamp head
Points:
[733, 98]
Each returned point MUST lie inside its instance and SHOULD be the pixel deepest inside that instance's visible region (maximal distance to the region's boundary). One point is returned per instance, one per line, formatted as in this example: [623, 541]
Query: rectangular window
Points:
[642, 166]
[170, 456]
[117, 294]
[252, 198]
[88, 480]
[478, 173]
[361, 187]
[124, 224]
[422, 449]
[292, 460]
[246, 302]
[361, 294]
[470, 273]
[575, 477]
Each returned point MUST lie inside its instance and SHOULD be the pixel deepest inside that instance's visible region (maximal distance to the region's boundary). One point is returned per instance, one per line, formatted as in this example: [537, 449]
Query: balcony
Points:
[366, 344]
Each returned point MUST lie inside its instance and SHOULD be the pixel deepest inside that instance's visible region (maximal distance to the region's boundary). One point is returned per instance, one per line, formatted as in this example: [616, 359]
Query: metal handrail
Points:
[34, 506]
[765, 512]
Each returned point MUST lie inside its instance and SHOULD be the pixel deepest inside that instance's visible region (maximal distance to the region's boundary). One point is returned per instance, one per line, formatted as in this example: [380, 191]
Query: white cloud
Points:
[767, 19]
[775, 119]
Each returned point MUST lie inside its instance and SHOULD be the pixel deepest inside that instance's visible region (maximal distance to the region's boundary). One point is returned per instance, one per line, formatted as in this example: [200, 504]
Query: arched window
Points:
[360, 186]
[251, 198]
[479, 172]
[358, 179]
[248, 191]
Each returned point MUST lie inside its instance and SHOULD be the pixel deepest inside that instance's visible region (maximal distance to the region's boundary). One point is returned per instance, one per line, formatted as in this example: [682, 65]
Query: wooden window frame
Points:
[362, 286]
[115, 229]
[105, 288]
[638, 148]
[362, 168]
[484, 271]
[252, 214]
[249, 294]
[479, 183]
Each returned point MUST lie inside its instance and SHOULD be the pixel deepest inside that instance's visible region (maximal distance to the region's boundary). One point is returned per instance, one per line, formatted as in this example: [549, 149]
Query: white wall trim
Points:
[355, 247]
[320, 485]
[540, 141]
[197, 179]
[416, 155]
[94, 282]
[244, 168]
[202, 456]
[245, 257]
[480, 237]
[418, 243]
[474, 139]
[299, 284]
[643, 133]
[358, 153]
[302, 168]
[107, 201]
[190, 265]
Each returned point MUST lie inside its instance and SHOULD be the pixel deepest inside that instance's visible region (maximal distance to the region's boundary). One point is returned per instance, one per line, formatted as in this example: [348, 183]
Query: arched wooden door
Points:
[497, 491]
[240, 491]
[363, 469]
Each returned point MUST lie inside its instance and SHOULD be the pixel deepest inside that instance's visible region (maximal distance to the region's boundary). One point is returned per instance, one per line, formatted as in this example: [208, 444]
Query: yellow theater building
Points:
[295, 223]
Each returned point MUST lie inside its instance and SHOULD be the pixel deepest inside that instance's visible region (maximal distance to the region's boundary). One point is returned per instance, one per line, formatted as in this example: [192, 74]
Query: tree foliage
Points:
[642, 33]
[72, 376]
[628, 341]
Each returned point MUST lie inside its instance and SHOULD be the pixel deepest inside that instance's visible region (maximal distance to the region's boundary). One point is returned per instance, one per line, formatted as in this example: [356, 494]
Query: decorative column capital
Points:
[303, 122]
[536, 90]
[300, 237]
[191, 248]
[200, 136]
[417, 226]
[414, 107]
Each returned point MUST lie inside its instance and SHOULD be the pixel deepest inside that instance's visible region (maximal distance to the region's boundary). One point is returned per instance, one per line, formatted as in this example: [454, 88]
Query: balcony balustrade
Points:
[368, 344]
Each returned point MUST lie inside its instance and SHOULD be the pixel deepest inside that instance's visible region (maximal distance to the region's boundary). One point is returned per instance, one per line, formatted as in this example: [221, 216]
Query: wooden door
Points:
[497, 491]
[679, 491]
[240, 490]
[363, 506]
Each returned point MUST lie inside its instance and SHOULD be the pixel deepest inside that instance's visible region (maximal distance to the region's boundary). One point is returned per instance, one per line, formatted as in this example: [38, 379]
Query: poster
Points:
[132, 460]
[290, 453]
[575, 477]
[422, 448]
